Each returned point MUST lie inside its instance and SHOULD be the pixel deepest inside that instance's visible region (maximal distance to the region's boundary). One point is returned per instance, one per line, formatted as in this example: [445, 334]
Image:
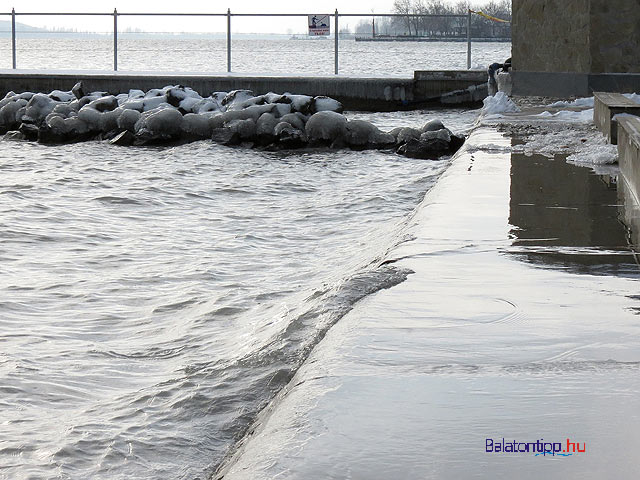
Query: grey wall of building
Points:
[573, 47]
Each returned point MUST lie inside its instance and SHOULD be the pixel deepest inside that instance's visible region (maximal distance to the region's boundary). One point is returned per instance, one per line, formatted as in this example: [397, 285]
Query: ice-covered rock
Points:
[246, 129]
[361, 134]
[404, 134]
[11, 114]
[236, 96]
[326, 127]
[39, 107]
[300, 103]
[253, 112]
[197, 126]
[290, 137]
[296, 120]
[265, 128]
[178, 114]
[92, 117]
[432, 144]
[60, 96]
[433, 126]
[128, 119]
[326, 104]
[78, 90]
[160, 123]
[104, 104]
[207, 105]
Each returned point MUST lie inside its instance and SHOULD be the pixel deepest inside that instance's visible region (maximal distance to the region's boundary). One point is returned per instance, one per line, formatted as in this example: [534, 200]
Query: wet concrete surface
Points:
[520, 322]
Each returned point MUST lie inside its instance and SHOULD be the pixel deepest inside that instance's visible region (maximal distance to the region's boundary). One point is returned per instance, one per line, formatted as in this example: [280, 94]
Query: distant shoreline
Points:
[406, 38]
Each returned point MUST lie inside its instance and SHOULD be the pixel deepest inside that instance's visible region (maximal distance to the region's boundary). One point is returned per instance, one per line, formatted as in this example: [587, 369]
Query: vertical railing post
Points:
[469, 40]
[13, 36]
[229, 40]
[336, 39]
[115, 39]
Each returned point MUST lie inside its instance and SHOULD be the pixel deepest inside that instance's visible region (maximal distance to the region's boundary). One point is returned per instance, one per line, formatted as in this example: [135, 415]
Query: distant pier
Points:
[355, 92]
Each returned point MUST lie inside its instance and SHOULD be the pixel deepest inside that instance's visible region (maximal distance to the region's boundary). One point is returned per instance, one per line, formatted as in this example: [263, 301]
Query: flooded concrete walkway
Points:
[520, 322]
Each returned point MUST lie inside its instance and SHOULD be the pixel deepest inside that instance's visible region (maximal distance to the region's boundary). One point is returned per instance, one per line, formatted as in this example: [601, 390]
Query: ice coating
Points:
[177, 113]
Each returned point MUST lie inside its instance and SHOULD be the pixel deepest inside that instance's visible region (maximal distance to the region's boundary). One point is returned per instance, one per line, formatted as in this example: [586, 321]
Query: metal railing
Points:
[336, 16]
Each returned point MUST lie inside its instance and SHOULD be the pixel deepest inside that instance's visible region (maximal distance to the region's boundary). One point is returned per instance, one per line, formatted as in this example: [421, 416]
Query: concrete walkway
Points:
[520, 322]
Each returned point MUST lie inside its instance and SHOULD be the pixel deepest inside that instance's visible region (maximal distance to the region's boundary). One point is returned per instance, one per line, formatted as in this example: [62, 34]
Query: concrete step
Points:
[608, 105]
[629, 154]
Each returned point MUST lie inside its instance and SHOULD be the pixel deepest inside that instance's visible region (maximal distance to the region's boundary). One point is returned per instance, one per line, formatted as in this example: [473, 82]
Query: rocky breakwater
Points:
[176, 114]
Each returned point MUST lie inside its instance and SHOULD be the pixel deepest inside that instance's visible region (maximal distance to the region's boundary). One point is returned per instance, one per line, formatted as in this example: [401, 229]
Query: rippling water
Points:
[250, 56]
[152, 300]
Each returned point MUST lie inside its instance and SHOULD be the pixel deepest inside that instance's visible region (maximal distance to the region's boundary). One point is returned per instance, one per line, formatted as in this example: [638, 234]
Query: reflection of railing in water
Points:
[336, 16]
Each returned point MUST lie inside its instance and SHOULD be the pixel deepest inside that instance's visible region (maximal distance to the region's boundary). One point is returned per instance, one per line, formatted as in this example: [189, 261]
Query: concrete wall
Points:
[355, 93]
[551, 35]
[573, 47]
[615, 36]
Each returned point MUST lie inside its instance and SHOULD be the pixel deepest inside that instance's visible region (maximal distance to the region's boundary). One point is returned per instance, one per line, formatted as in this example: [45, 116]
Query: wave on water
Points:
[156, 300]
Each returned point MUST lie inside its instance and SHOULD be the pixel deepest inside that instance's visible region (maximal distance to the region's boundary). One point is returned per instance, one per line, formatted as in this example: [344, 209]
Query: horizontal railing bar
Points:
[139, 14]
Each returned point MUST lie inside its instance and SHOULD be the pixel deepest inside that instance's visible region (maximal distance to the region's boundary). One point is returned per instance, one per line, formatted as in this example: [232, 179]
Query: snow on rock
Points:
[39, 107]
[432, 126]
[499, 103]
[60, 96]
[299, 103]
[236, 96]
[177, 113]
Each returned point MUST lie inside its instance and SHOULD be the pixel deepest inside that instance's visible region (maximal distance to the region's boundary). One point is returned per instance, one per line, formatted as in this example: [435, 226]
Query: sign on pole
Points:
[319, 25]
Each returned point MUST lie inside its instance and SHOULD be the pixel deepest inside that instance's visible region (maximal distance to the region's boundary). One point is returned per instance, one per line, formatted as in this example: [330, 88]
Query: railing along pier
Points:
[336, 16]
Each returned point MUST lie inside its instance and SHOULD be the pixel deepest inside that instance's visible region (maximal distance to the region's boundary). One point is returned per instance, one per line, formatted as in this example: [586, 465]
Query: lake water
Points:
[153, 300]
[304, 57]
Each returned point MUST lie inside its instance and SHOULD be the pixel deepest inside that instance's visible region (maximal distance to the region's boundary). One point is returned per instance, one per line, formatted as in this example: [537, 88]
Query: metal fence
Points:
[229, 15]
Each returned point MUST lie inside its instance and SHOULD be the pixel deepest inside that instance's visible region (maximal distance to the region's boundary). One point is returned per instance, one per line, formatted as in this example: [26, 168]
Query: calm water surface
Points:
[250, 56]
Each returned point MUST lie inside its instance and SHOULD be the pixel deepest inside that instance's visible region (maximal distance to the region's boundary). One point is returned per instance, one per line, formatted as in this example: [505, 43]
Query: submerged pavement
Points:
[520, 322]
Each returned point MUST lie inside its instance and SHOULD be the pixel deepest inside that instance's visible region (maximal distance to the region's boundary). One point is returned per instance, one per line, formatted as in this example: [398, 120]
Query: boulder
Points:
[104, 104]
[290, 137]
[265, 128]
[246, 129]
[196, 126]
[234, 96]
[224, 136]
[404, 134]
[78, 90]
[432, 126]
[128, 119]
[325, 127]
[294, 119]
[326, 104]
[362, 134]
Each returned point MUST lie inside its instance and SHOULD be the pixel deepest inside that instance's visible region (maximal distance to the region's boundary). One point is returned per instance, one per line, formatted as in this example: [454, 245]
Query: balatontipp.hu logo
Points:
[539, 447]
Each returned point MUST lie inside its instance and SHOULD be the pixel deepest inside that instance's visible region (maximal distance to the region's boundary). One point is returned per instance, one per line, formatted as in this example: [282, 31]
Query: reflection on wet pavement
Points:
[567, 217]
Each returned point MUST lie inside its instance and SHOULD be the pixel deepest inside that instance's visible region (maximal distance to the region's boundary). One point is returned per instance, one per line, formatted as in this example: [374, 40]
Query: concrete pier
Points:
[518, 323]
[355, 93]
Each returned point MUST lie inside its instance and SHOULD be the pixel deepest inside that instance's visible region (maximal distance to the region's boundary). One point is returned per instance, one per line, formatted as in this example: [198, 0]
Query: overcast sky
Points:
[281, 25]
